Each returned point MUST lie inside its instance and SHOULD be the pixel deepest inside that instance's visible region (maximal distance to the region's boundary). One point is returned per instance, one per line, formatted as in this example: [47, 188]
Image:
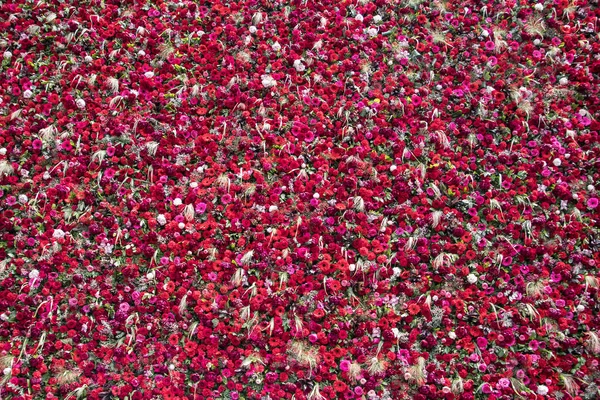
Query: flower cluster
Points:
[259, 199]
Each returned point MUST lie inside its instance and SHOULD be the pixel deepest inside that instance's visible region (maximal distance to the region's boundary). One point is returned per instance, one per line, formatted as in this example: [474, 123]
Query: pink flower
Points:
[226, 198]
[592, 202]
[345, 365]
[200, 207]
[482, 342]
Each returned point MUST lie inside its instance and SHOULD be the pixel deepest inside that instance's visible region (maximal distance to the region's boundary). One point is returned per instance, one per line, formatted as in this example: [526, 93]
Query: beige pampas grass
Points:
[304, 354]
[6, 168]
[113, 84]
[183, 304]
[436, 218]
[315, 394]
[252, 359]
[237, 277]
[535, 289]
[151, 148]
[457, 386]
[165, 50]
[569, 383]
[189, 212]
[376, 366]
[247, 258]
[442, 139]
[16, 114]
[355, 372]
[592, 342]
[68, 376]
[535, 26]
[359, 204]
[416, 373]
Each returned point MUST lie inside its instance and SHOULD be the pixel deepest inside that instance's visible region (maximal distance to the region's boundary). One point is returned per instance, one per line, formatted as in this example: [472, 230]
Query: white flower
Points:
[34, 274]
[372, 32]
[359, 17]
[393, 168]
[471, 278]
[485, 33]
[377, 19]
[7, 55]
[268, 81]
[299, 66]
[141, 53]
[23, 199]
[557, 162]
[46, 175]
[58, 234]
[590, 188]
[252, 29]
[149, 74]
[452, 335]
[88, 59]
[563, 81]
[7, 370]
[4, 317]
[181, 225]
[150, 275]
[580, 308]
[80, 103]
[542, 390]
[316, 196]
[276, 46]
[537, 42]
[539, 7]
[194, 185]
[28, 94]
[161, 219]
[273, 208]
[177, 202]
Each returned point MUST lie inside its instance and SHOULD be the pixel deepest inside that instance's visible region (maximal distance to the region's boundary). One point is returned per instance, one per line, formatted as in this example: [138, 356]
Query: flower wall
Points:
[261, 199]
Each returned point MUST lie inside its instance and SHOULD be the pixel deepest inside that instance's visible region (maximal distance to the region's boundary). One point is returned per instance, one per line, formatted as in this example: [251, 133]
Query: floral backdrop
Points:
[258, 199]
